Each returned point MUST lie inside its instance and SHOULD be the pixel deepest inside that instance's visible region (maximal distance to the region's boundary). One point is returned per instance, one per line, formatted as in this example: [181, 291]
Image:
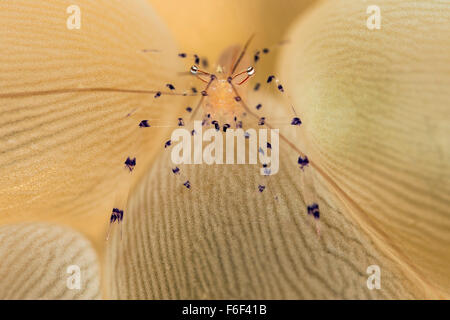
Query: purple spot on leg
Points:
[144, 124]
[256, 57]
[314, 210]
[216, 125]
[296, 121]
[130, 163]
[303, 162]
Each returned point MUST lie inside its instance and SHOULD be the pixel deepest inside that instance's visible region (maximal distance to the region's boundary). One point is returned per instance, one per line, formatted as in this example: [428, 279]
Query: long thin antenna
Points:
[151, 51]
[98, 89]
[244, 50]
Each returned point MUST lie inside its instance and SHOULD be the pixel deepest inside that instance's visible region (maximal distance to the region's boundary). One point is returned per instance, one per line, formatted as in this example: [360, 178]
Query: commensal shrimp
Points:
[222, 104]
[223, 101]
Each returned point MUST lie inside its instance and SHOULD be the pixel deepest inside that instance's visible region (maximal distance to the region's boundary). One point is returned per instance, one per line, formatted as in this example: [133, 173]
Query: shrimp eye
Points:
[250, 71]
[194, 69]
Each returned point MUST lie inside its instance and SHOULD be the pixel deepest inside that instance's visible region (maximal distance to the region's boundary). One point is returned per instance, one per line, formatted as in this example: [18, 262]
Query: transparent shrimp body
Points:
[225, 88]
[221, 101]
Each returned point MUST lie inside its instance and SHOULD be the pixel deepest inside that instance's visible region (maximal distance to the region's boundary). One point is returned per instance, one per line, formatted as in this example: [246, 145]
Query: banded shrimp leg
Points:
[125, 177]
[305, 164]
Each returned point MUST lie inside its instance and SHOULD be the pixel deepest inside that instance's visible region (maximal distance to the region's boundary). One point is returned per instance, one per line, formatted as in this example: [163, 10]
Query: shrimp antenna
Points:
[97, 89]
[151, 51]
[244, 50]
